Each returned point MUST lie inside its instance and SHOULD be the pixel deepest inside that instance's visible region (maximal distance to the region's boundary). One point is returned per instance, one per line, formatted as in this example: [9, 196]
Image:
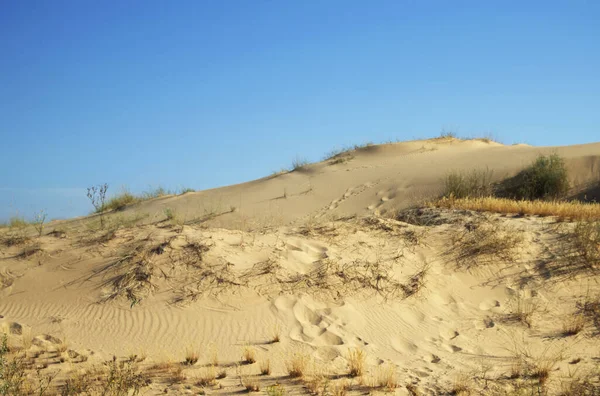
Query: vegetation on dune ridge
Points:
[126, 198]
[564, 209]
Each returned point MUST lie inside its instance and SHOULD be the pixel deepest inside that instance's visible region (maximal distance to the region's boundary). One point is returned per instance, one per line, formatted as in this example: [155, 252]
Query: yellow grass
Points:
[572, 210]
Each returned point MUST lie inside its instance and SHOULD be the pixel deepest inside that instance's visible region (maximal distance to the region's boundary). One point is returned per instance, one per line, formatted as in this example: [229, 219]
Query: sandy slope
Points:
[308, 255]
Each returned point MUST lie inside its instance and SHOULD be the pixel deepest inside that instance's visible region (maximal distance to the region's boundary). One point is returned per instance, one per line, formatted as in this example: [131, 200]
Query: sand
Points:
[315, 257]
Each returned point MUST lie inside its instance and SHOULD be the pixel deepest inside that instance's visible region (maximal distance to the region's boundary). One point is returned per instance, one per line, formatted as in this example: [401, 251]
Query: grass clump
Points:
[299, 163]
[191, 357]
[385, 377]
[118, 202]
[265, 367]
[296, 366]
[356, 362]
[586, 238]
[477, 183]
[249, 355]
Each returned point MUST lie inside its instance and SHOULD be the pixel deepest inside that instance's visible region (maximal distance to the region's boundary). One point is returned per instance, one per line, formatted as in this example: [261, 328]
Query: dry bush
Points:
[333, 278]
[132, 277]
[568, 210]
[477, 183]
[168, 372]
[265, 367]
[581, 384]
[249, 355]
[296, 366]
[484, 243]
[356, 362]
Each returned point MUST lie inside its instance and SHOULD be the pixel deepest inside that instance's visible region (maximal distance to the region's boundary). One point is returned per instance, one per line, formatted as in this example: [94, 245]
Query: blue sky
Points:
[211, 93]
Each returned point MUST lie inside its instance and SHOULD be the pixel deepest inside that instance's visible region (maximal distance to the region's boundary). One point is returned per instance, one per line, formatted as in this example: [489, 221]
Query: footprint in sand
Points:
[404, 346]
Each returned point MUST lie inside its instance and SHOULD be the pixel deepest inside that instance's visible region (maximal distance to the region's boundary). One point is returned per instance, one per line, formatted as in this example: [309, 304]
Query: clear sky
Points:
[210, 93]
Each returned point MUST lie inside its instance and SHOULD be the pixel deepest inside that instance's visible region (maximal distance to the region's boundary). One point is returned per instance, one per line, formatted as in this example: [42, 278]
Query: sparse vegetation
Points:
[356, 362]
[38, 222]
[249, 355]
[191, 357]
[296, 366]
[385, 377]
[265, 367]
[545, 179]
[275, 390]
[485, 242]
[207, 376]
[476, 184]
[299, 163]
[569, 210]
[573, 324]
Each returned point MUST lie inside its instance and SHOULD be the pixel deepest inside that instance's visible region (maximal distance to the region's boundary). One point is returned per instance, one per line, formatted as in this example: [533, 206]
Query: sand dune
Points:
[309, 264]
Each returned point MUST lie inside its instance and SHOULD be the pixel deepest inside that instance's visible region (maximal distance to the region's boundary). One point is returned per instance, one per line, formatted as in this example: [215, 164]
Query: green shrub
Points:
[545, 178]
[477, 183]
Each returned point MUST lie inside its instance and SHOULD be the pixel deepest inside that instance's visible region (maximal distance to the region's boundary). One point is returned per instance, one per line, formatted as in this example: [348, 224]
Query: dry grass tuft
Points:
[249, 355]
[191, 357]
[265, 367]
[573, 324]
[251, 384]
[296, 366]
[275, 390]
[207, 377]
[385, 377]
[356, 362]
[566, 210]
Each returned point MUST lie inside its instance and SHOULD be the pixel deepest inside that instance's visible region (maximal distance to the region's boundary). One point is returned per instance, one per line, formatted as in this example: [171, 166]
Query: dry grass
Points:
[522, 311]
[251, 384]
[296, 366]
[275, 390]
[484, 243]
[207, 377]
[386, 378]
[573, 324]
[566, 210]
[477, 183]
[249, 355]
[265, 367]
[191, 357]
[356, 362]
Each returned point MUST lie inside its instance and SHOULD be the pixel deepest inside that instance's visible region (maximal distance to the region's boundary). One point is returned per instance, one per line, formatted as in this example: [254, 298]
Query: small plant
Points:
[251, 384]
[191, 357]
[38, 222]
[298, 163]
[296, 366]
[276, 390]
[356, 362]
[186, 190]
[169, 213]
[249, 355]
[97, 195]
[276, 334]
[385, 377]
[207, 377]
[17, 222]
[265, 367]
